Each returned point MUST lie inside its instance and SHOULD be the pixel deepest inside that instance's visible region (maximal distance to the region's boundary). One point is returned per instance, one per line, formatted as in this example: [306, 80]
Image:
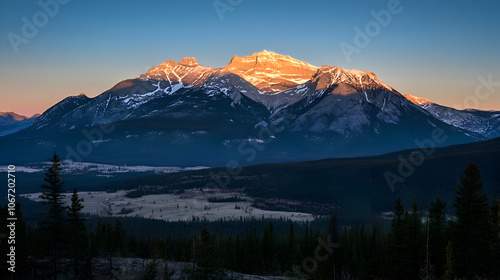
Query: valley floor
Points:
[176, 207]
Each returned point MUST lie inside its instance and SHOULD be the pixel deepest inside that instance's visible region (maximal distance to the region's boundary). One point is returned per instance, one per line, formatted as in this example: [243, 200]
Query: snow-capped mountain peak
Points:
[187, 72]
[271, 72]
[189, 62]
[327, 76]
[267, 71]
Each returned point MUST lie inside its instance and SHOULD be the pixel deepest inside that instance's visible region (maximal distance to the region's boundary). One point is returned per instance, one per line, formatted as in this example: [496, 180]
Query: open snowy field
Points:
[175, 207]
[76, 167]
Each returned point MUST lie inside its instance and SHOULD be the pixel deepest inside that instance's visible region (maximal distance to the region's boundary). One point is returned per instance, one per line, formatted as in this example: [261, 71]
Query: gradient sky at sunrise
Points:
[431, 49]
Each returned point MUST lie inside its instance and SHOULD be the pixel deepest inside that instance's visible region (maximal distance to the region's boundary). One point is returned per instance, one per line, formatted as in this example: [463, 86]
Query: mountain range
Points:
[11, 122]
[260, 108]
[486, 123]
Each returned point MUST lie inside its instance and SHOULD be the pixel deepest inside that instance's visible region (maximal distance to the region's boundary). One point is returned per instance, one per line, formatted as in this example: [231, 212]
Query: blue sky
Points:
[432, 49]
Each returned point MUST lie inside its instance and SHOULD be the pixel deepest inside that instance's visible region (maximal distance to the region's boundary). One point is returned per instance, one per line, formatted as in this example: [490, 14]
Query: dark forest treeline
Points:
[417, 246]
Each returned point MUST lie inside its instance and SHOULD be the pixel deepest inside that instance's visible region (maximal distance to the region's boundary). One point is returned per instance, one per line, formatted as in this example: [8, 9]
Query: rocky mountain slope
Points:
[485, 123]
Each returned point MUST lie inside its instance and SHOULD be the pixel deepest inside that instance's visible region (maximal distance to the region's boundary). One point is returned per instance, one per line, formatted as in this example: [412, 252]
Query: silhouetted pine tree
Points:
[450, 268]
[109, 239]
[333, 231]
[495, 213]
[206, 258]
[290, 249]
[75, 232]
[415, 244]
[472, 238]
[437, 240]
[118, 234]
[268, 248]
[151, 270]
[376, 243]
[54, 220]
[167, 272]
[397, 253]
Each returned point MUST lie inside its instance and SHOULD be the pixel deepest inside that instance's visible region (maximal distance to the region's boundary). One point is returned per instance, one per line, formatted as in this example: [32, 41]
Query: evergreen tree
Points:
[291, 248]
[167, 272]
[333, 231]
[238, 253]
[397, 253]
[471, 243]
[253, 253]
[109, 239]
[495, 245]
[450, 268]
[205, 255]
[53, 196]
[268, 248]
[133, 245]
[107, 244]
[437, 240]
[415, 241]
[118, 237]
[75, 231]
[427, 271]
[151, 270]
[376, 245]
